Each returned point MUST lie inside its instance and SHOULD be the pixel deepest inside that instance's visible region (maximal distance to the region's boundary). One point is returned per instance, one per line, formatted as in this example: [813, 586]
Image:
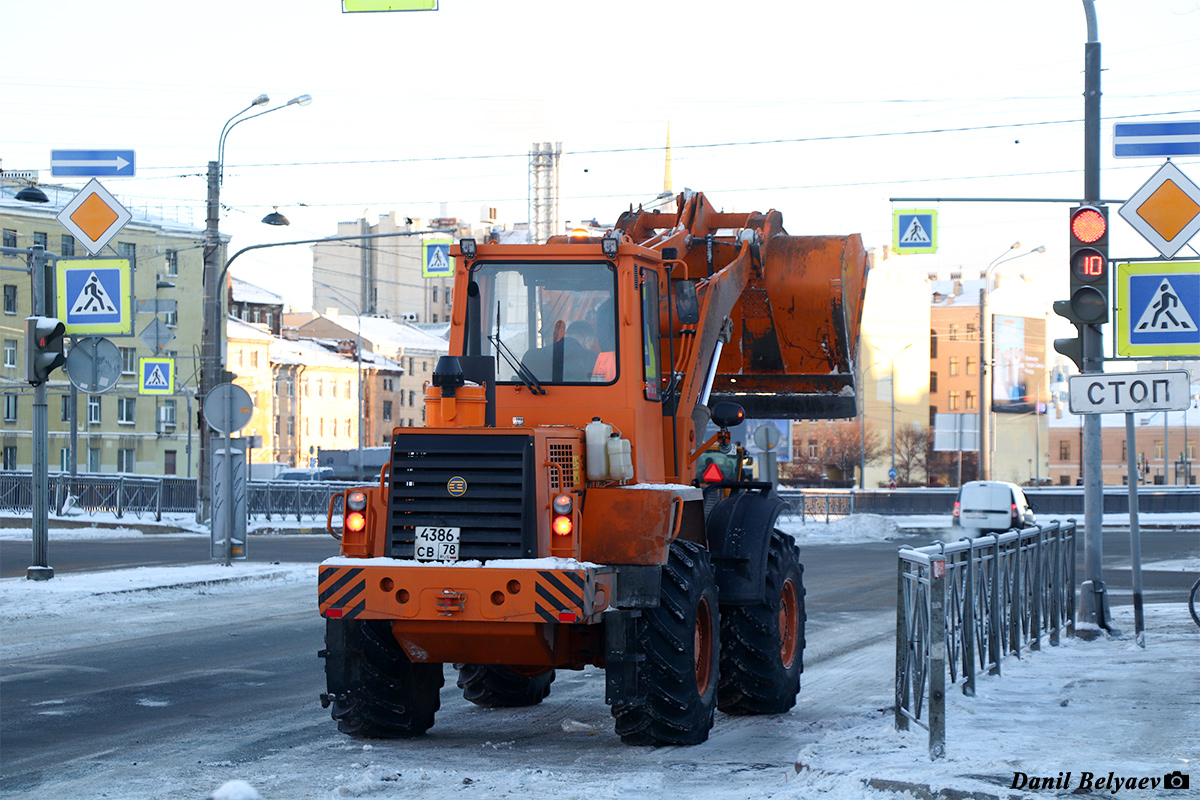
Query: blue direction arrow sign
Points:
[1156, 139]
[92, 163]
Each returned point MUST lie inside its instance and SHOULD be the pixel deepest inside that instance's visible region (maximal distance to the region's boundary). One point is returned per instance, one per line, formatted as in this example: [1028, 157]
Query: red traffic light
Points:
[1088, 225]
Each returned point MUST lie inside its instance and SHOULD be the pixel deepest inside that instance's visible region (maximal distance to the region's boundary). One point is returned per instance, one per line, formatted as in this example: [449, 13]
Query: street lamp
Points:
[210, 366]
[985, 457]
[358, 357]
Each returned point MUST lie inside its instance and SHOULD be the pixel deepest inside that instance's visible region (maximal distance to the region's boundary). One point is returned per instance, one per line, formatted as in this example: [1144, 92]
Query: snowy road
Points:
[199, 685]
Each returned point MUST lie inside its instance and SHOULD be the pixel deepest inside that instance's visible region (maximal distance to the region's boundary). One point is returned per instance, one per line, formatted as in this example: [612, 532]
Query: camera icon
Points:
[1177, 780]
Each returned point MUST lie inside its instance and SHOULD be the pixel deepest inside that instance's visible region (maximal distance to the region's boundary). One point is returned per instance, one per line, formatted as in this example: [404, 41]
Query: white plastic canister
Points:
[620, 458]
[597, 434]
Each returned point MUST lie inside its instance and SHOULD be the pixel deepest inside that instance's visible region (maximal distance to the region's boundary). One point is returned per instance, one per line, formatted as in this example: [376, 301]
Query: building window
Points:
[971, 401]
[93, 417]
[348, 389]
[954, 331]
[254, 359]
[10, 457]
[971, 330]
[812, 448]
[66, 408]
[127, 410]
[93, 459]
[127, 250]
[10, 352]
[387, 384]
[67, 246]
[933, 383]
[64, 459]
[129, 360]
[10, 408]
[433, 291]
[347, 427]
[933, 343]
[1064, 451]
[10, 238]
[953, 366]
[333, 389]
[970, 365]
[169, 457]
[10, 298]
[320, 387]
[291, 387]
[40, 238]
[171, 319]
[387, 411]
[1124, 450]
[276, 424]
[1158, 448]
[412, 401]
[321, 426]
[291, 426]
[172, 266]
[126, 460]
[954, 401]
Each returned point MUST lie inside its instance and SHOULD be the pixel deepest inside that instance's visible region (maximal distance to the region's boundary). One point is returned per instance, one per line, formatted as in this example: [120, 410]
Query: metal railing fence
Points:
[826, 505]
[964, 606]
[151, 497]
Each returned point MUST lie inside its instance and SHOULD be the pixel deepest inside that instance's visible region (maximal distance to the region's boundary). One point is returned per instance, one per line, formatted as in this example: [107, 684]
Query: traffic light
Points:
[1088, 303]
[43, 348]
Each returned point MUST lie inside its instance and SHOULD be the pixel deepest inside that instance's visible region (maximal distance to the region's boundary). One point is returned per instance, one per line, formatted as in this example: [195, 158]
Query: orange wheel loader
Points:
[549, 514]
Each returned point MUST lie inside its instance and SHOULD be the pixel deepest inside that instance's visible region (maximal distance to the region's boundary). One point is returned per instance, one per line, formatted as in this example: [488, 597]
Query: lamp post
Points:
[985, 456]
[210, 367]
[358, 358]
[863, 420]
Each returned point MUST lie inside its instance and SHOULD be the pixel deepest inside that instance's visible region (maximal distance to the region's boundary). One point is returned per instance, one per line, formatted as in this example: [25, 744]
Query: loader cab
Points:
[547, 323]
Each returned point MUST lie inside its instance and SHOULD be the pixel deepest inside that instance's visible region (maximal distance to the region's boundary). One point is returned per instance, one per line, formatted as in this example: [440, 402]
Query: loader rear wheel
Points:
[680, 640]
[762, 652]
[493, 686]
[374, 690]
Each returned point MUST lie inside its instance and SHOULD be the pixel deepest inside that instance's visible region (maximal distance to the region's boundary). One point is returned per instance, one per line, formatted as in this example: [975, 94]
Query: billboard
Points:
[1018, 363]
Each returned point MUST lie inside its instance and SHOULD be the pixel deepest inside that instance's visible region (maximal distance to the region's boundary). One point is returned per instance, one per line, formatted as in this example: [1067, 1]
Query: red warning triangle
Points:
[712, 474]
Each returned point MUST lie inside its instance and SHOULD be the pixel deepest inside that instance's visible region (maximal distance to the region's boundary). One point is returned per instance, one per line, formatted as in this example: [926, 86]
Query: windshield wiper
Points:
[523, 372]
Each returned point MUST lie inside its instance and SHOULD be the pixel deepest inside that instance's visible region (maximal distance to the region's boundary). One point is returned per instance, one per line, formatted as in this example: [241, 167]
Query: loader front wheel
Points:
[763, 644]
[375, 691]
[680, 640]
[493, 686]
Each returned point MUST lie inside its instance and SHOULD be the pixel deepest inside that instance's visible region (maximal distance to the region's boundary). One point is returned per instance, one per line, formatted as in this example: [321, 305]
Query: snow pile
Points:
[848, 530]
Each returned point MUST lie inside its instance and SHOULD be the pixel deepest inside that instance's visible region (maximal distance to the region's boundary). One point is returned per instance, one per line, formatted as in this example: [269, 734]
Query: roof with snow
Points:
[389, 337]
[239, 329]
[246, 292]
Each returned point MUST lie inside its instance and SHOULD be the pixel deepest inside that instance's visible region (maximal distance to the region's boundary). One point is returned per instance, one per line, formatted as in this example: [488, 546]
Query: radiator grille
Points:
[494, 513]
[566, 456]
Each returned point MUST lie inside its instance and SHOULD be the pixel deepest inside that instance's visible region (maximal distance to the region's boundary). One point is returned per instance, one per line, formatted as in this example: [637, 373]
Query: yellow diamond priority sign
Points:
[94, 217]
[1166, 210]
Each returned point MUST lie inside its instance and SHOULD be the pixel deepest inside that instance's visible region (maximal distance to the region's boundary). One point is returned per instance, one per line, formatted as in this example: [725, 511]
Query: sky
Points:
[1101, 703]
[823, 111]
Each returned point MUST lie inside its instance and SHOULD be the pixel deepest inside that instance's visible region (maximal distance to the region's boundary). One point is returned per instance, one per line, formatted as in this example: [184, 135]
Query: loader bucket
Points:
[796, 331]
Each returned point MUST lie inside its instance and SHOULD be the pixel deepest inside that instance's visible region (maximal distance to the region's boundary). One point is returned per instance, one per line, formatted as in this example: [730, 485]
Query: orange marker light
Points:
[356, 521]
[562, 526]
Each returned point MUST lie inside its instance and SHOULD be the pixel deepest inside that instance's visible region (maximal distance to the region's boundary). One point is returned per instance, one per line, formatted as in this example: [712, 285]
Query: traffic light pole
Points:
[1093, 600]
[40, 570]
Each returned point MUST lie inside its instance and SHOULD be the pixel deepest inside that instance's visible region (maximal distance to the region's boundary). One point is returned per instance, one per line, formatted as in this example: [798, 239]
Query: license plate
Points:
[436, 544]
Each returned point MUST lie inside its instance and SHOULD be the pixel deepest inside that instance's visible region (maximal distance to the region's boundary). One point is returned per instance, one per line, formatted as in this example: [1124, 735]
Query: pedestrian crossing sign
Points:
[95, 296]
[435, 259]
[157, 376]
[914, 230]
[1158, 309]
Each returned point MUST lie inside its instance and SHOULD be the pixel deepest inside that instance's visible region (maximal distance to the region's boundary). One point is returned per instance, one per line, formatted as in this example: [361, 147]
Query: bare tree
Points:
[913, 447]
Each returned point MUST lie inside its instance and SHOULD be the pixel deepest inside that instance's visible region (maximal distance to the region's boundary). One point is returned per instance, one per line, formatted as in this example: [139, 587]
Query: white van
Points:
[992, 507]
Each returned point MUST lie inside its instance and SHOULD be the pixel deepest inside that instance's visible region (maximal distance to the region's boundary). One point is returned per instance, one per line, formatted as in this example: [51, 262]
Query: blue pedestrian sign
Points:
[1158, 310]
[914, 230]
[95, 296]
[157, 375]
[435, 259]
[1156, 139]
[92, 163]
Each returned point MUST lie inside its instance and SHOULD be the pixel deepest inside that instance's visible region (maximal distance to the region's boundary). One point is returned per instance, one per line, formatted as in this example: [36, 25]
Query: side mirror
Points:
[687, 305]
[728, 415]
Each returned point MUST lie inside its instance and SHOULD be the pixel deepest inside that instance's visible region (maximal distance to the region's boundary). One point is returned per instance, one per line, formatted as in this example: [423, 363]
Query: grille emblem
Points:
[457, 486]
